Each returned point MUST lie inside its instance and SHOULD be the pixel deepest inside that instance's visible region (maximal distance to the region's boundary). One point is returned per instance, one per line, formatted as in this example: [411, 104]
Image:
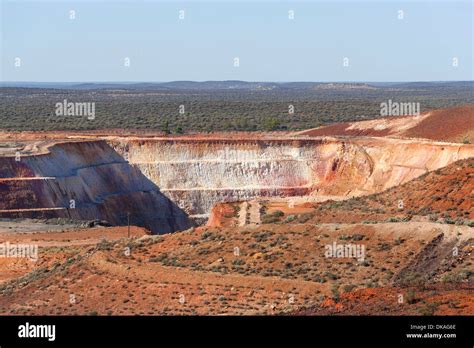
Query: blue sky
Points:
[270, 46]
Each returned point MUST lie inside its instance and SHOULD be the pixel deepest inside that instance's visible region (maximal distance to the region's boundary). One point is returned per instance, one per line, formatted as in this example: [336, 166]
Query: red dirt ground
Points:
[454, 124]
[439, 299]
[451, 125]
[274, 264]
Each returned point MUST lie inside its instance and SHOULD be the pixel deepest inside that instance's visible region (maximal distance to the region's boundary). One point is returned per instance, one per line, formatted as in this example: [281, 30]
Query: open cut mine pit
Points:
[168, 184]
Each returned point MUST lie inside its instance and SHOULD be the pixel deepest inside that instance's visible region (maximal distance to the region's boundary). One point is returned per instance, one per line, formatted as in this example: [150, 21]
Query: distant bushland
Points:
[206, 110]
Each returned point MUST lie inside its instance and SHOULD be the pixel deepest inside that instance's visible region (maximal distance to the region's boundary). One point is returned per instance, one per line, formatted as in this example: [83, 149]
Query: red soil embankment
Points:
[451, 125]
[454, 125]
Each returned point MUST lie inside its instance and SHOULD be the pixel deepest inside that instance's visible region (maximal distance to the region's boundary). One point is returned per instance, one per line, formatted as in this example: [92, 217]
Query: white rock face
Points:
[196, 174]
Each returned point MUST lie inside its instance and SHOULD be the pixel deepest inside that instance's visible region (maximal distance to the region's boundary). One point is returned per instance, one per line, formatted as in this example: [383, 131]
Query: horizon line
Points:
[231, 80]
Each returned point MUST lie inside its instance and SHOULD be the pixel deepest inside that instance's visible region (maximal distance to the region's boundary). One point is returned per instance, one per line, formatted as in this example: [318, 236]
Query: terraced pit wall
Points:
[197, 174]
[101, 183]
[166, 184]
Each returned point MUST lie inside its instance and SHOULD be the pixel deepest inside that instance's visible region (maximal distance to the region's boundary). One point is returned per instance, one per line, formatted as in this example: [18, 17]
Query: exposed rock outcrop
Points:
[163, 183]
[86, 181]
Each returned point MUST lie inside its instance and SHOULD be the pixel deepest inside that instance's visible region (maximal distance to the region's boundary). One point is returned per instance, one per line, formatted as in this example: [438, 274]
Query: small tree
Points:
[270, 123]
[165, 127]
